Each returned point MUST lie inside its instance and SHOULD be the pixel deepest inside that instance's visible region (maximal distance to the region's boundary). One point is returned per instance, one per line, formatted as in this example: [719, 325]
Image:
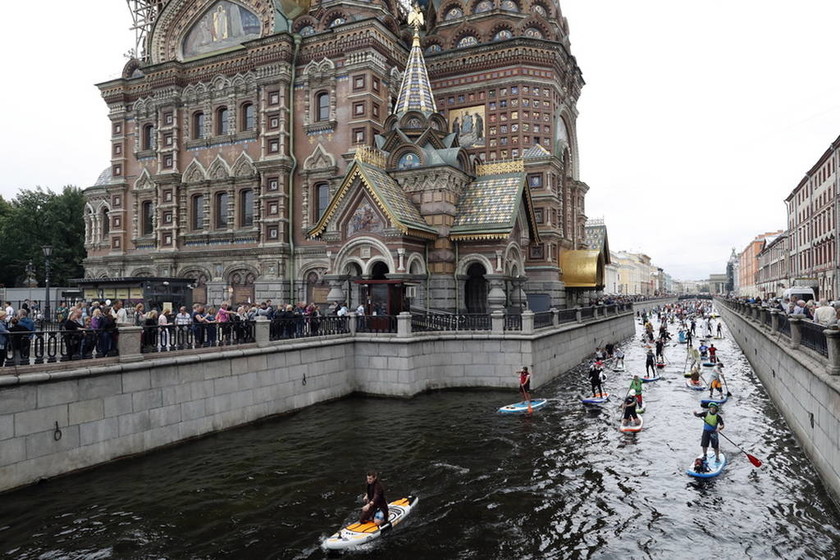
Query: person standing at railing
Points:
[72, 336]
[163, 330]
[223, 318]
[182, 326]
[4, 336]
[824, 314]
[210, 323]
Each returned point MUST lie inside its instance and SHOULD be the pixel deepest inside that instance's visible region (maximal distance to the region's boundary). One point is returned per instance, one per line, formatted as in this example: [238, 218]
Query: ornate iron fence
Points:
[812, 337]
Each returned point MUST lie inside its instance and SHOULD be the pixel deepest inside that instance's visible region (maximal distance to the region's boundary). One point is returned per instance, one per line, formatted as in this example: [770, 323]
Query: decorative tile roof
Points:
[536, 151]
[416, 90]
[489, 206]
[387, 194]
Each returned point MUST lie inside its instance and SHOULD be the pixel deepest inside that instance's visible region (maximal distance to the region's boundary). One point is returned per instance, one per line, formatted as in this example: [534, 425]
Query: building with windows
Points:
[812, 213]
[748, 265]
[773, 268]
[331, 152]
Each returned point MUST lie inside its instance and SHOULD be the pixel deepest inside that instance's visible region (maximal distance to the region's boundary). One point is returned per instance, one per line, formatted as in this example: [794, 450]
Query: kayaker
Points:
[376, 506]
[712, 424]
[636, 389]
[629, 407]
[715, 379]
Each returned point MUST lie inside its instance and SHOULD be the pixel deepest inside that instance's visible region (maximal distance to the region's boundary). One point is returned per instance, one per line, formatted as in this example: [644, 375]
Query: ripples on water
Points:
[562, 484]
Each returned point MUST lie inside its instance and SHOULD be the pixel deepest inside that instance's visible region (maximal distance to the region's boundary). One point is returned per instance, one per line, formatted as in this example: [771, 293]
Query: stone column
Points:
[795, 330]
[517, 295]
[261, 330]
[497, 318]
[578, 316]
[351, 322]
[832, 339]
[128, 343]
[404, 325]
[527, 322]
[555, 317]
[774, 320]
[496, 296]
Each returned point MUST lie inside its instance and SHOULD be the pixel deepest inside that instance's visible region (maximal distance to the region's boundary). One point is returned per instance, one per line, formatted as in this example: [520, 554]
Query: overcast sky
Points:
[697, 119]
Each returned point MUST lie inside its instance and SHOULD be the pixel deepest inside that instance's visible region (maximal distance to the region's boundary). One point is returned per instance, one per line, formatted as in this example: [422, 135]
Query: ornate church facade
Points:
[333, 153]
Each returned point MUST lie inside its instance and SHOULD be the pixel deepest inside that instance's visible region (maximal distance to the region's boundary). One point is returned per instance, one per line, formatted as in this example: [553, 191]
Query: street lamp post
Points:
[47, 249]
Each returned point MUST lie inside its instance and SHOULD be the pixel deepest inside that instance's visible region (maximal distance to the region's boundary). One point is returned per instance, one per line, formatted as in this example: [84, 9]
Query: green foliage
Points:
[40, 217]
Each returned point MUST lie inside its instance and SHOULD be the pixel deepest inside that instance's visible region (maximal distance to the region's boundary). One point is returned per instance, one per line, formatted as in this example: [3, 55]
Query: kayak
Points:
[600, 399]
[650, 379]
[700, 386]
[631, 428]
[522, 407]
[714, 468]
[357, 533]
[706, 402]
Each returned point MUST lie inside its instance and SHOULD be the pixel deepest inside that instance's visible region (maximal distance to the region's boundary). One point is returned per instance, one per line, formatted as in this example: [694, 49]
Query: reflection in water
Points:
[562, 484]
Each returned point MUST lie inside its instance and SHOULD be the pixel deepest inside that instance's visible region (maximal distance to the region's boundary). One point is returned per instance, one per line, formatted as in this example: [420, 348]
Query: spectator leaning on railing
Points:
[824, 314]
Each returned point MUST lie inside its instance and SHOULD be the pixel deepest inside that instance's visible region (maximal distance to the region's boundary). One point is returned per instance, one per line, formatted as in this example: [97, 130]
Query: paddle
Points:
[753, 459]
[728, 394]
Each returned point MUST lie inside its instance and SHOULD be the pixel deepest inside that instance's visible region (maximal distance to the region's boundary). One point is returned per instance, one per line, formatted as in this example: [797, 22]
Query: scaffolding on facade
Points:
[143, 15]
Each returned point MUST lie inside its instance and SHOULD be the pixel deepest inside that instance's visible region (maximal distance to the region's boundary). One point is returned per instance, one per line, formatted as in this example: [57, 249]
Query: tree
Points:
[40, 217]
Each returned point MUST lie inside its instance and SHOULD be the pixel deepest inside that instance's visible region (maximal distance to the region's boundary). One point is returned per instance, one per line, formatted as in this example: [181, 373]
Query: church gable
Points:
[363, 217]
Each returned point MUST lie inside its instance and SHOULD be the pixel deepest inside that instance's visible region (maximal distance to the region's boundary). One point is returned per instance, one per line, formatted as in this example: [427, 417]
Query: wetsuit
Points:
[650, 362]
[630, 409]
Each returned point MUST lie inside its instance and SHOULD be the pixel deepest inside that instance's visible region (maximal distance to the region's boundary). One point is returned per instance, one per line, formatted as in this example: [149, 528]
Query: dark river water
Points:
[564, 483]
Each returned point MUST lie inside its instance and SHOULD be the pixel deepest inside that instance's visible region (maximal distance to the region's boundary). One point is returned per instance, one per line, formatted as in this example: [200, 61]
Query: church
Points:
[364, 152]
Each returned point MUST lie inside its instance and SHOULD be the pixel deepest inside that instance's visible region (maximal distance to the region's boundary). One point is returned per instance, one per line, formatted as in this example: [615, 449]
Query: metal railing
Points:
[812, 337]
[543, 319]
[24, 348]
[430, 321]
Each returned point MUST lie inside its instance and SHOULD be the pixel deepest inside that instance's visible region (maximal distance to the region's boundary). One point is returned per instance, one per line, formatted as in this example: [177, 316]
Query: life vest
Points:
[711, 421]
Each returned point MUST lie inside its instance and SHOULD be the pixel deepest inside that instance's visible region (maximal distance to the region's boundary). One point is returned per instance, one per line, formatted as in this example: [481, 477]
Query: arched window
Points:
[248, 118]
[502, 35]
[322, 199]
[246, 208]
[322, 102]
[148, 142]
[198, 125]
[197, 211]
[221, 210]
[106, 222]
[534, 33]
[222, 126]
[147, 214]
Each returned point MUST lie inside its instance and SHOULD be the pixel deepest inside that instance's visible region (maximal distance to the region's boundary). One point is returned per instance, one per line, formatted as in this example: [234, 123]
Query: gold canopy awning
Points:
[582, 269]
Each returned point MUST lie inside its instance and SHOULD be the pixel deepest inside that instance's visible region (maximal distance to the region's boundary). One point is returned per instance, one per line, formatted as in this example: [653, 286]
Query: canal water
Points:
[564, 483]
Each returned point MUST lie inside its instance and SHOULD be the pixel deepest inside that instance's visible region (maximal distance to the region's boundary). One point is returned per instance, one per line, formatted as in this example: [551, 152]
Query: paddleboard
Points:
[357, 533]
[714, 468]
[708, 364]
[631, 428]
[600, 399]
[707, 402]
[660, 365]
[640, 410]
[522, 407]
[696, 386]
[651, 379]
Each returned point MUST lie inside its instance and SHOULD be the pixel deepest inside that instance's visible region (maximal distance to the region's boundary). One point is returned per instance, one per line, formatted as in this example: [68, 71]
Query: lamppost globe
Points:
[47, 249]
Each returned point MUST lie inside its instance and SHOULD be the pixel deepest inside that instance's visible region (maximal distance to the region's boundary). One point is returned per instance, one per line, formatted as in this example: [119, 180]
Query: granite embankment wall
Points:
[57, 421]
[800, 385]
